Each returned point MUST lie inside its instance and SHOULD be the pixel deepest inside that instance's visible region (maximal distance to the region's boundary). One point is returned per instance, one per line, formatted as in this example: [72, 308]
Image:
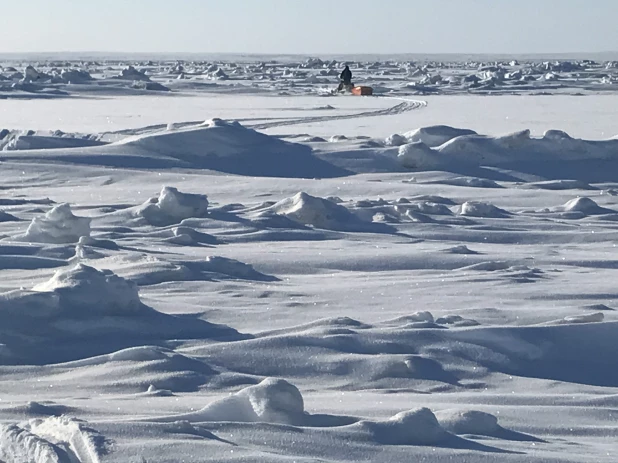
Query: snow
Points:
[316, 212]
[58, 225]
[271, 401]
[173, 206]
[469, 422]
[436, 135]
[199, 275]
[83, 287]
[414, 427]
[481, 209]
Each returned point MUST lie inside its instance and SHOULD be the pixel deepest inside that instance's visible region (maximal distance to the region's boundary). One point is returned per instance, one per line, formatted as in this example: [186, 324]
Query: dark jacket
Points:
[346, 75]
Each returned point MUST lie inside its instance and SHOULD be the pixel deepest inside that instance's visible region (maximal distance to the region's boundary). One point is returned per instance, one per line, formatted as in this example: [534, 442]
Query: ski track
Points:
[405, 106]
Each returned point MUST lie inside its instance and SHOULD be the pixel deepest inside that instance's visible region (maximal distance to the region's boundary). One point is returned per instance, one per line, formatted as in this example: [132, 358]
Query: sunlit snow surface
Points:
[217, 261]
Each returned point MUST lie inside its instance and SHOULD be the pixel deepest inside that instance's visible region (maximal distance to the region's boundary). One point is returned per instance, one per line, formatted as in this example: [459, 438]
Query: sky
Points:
[309, 26]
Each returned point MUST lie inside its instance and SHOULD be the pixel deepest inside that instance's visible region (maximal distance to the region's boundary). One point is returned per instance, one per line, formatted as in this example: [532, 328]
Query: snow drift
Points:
[52, 322]
[436, 135]
[316, 212]
[414, 427]
[555, 155]
[58, 226]
[215, 145]
[173, 206]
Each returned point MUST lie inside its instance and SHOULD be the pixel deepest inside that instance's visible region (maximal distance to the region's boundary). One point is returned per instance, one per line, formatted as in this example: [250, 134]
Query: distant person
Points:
[346, 78]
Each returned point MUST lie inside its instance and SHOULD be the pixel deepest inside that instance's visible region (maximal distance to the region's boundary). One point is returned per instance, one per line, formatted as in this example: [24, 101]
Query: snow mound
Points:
[130, 73]
[532, 155]
[217, 74]
[436, 135]
[481, 209]
[74, 76]
[396, 140]
[423, 316]
[151, 86]
[414, 427]
[57, 226]
[224, 147]
[457, 321]
[38, 142]
[271, 401]
[426, 207]
[418, 155]
[316, 212]
[139, 354]
[584, 205]
[231, 268]
[32, 75]
[173, 206]
[187, 236]
[98, 291]
[468, 422]
[556, 135]
[84, 312]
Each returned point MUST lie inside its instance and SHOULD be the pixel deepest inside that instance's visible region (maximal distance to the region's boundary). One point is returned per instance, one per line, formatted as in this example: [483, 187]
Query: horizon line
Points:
[301, 54]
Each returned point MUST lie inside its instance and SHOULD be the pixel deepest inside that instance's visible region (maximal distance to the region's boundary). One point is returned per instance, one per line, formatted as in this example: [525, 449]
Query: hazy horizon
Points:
[322, 27]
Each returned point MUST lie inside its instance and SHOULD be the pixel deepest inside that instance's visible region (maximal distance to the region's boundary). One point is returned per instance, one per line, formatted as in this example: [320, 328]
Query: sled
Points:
[361, 90]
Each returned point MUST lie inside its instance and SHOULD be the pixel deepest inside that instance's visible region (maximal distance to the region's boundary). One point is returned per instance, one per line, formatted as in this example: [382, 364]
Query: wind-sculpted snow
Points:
[172, 206]
[271, 401]
[20, 445]
[319, 213]
[58, 225]
[216, 145]
[436, 135]
[51, 440]
[83, 303]
[339, 287]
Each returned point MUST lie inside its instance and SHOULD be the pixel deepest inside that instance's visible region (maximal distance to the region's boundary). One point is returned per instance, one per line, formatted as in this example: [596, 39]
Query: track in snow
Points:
[403, 107]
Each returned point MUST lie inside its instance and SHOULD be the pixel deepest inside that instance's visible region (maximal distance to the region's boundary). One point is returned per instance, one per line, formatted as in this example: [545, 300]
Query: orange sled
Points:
[362, 91]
